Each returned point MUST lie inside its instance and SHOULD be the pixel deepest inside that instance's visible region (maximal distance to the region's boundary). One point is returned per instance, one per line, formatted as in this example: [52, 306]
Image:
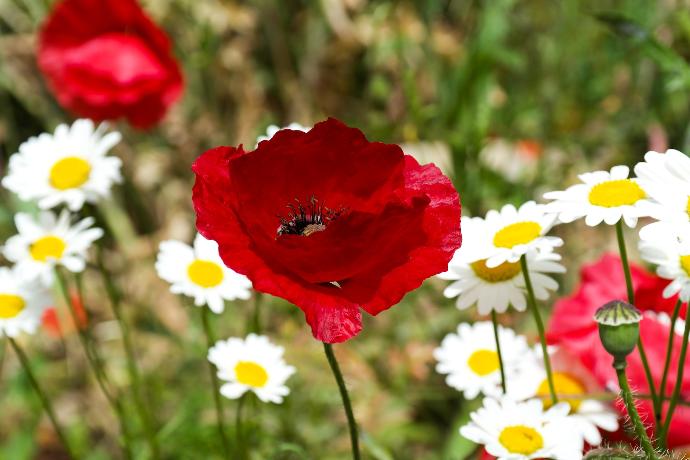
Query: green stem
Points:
[42, 396]
[256, 322]
[210, 341]
[679, 378]
[667, 362]
[239, 429]
[96, 364]
[494, 321]
[3, 353]
[631, 300]
[531, 300]
[626, 394]
[354, 438]
[132, 367]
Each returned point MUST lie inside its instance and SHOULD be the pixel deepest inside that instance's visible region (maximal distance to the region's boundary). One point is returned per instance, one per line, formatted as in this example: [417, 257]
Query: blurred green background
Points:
[511, 98]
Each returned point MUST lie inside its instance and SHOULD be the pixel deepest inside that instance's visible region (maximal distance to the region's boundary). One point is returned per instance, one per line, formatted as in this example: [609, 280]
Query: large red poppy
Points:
[572, 326]
[328, 221]
[105, 59]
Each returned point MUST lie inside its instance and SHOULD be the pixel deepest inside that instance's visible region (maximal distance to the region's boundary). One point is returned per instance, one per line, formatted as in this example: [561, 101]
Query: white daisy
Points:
[666, 179]
[253, 364]
[512, 430]
[22, 303]
[199, 272]
[513, 232]
[670, 252]
[570, 378]
[602, 197]
[495, 288]
[49, 241]
[69, 166]
[273, 129]
[470, 360]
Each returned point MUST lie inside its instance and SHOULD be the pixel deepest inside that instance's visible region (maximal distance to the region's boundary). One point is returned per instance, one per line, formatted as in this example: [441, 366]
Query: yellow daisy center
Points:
[483, 362]
[613, 193]
[10, 305]
[251, 374]
[517, 233]
[205, 273]
[69, 172]
[521, 439]
[504, 272]
[47, 247]
[685, 263]
[564, 384]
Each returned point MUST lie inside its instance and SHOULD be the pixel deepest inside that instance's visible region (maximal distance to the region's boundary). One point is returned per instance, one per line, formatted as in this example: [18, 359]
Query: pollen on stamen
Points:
[306, 220]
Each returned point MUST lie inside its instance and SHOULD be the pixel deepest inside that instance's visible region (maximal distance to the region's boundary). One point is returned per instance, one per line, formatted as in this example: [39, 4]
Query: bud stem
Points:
[627, 397]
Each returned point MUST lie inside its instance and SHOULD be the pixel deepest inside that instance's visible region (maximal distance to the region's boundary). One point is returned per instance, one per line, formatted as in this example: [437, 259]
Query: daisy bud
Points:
[619, 328]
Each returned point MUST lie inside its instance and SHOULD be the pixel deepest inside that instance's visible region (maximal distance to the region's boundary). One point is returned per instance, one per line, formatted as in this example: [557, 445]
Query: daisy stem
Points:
[531, 300]
[3, 353]
[239, 429]
[354, 439]
[256, 320]
[42, 396]
[494, 321]
[96, 364]
[626, 395]
[656, 403]
[667, 363]
[679, 379]
[210, 341]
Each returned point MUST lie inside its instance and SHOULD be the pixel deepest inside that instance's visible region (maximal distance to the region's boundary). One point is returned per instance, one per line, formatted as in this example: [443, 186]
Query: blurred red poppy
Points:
[54, 326]
[328, 221]
[572, 326]
[105, 59]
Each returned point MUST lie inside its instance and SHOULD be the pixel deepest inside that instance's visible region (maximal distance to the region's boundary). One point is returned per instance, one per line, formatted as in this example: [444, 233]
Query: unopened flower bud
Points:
[619, 328]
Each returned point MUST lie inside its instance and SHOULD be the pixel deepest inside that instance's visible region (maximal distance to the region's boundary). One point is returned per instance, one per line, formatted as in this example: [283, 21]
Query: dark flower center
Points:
[306, 219]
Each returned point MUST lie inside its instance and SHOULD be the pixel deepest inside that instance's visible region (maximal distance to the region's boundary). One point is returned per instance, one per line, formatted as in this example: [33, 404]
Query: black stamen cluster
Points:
[300, 218]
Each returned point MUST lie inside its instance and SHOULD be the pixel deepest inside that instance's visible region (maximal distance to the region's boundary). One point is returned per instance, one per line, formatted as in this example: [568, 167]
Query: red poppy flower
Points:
[573, 328]
[105, 59]
[53, 326]
[328, 221]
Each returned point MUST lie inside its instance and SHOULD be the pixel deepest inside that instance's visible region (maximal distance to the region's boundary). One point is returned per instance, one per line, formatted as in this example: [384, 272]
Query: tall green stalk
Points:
[667, 363]
[96, 364]
[210, 341]
[532, 302]
[347, 405]
[626, 395]
[494, 321]
[679, 379]
[114, 296]
[47, 406]
[656, 403]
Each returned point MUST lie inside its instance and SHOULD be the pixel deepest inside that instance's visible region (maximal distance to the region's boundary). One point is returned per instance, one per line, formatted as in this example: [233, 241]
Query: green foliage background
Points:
[593, 83]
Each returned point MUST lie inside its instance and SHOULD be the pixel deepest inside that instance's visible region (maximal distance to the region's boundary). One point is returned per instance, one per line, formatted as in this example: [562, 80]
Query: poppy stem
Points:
[626, 395]
[667, 365]
[532, 302]
[42, 396]
[656, 402]
[354, 439]
[494, 321]
[679, 379]
[96, 364]
[210, 341]
[132, 368]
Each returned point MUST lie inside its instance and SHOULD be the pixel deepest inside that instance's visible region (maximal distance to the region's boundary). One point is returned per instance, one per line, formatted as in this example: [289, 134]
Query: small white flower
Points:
[587, 416]
[670, 252]
[512, 430]
[496, 288]
[666, 179]
[22, 303]
[470, 360]
[602, 197]
[253, 364]
[273, 129]
[199, 272]
[513, 232]
[49, 241]
[69, 166]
